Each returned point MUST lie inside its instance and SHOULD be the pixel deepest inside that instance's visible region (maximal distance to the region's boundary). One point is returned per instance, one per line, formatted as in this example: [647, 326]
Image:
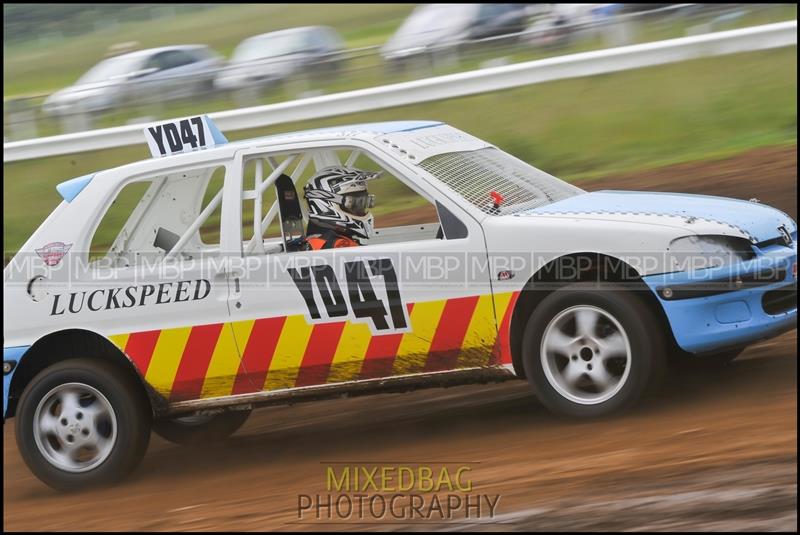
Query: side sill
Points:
[384, 385]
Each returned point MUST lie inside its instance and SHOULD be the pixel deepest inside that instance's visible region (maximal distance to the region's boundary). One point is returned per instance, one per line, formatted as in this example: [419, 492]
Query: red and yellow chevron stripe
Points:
[222, 359]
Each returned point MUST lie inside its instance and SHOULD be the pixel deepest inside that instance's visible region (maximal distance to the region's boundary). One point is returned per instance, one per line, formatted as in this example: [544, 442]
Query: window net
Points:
[484, 176]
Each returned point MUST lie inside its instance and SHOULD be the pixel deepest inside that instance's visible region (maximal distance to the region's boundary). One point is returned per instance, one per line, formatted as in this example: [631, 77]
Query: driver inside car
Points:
[338, 208]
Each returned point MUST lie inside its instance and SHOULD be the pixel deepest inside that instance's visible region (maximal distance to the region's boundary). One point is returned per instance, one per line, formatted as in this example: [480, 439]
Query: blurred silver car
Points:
[141, 76]
[558, 25]
[433, 28]
[270, 58]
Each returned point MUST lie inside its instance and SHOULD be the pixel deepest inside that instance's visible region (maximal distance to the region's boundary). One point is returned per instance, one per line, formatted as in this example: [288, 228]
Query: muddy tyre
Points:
[82, 423]
[592, 351]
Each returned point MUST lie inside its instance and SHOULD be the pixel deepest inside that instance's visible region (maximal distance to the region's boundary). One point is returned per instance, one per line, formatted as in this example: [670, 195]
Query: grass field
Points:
[577, 129]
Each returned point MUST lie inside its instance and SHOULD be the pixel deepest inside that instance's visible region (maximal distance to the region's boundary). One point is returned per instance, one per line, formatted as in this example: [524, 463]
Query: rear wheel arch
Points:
[69, 344]
[570, 268]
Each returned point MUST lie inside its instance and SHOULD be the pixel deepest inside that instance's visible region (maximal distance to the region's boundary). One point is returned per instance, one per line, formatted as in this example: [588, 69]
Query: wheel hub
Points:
[585, 354]
[75, 427]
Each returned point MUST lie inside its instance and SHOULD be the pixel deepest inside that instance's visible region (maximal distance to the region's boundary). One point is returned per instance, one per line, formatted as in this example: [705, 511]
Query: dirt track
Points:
[716, 449]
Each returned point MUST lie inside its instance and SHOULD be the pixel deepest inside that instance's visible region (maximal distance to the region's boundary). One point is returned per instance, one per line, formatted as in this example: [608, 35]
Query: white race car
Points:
[201, 308]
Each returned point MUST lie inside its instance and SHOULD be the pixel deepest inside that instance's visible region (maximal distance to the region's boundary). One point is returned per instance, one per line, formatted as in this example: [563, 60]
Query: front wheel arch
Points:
[568, 389]
[561, 271]
[74, 343]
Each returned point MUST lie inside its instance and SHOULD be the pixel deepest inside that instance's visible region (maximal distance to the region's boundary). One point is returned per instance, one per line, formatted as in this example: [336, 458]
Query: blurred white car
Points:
[272, 57]
[436, 27]
[559, 24]
[155, 73]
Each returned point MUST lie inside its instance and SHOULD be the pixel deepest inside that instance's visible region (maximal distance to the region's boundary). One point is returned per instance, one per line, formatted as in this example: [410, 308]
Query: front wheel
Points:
[82, 423]
[592, 350]
[200, 427]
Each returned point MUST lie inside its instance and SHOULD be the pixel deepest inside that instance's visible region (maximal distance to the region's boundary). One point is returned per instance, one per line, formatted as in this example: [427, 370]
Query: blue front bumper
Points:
[735, 317]
[11, 356]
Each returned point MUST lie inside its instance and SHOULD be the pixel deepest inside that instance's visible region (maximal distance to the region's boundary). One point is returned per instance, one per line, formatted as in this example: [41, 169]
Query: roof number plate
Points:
[182, 135]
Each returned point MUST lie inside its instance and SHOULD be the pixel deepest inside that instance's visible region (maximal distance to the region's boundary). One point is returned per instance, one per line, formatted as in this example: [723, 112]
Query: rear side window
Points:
[174, 59]
[202, 53]
[155, 62]
[313, 40]
[110, 228]
[149, 218]
[334, 42]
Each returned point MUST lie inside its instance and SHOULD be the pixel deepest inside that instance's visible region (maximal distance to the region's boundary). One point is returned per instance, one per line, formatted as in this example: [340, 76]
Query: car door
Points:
[387, 309]
[170, 317]
[176, 74]
[150, 85]
[184, 349]
[318, 56]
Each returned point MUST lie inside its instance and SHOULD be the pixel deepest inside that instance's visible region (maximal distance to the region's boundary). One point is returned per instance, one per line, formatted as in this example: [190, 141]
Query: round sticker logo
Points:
[52, 253]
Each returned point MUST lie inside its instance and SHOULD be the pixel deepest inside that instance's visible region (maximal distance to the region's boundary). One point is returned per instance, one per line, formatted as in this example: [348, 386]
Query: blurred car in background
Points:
[561, 24]
[434, 28]
[155, 73]
[270, 58]
[636, 8]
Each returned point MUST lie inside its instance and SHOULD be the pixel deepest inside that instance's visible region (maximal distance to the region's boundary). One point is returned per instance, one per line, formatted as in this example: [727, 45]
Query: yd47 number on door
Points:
[358, 300]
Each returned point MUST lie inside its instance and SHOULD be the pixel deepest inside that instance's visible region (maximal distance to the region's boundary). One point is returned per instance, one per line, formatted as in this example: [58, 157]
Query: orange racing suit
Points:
[329, 240]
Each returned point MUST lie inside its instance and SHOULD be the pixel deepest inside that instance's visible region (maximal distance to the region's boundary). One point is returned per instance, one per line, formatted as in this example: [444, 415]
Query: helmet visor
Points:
[358, 203]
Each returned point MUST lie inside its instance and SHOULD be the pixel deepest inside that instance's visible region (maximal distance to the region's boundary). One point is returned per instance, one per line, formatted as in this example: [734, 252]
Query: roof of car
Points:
[150, 51]
[70, 188]
[286, 31]
[386, 127]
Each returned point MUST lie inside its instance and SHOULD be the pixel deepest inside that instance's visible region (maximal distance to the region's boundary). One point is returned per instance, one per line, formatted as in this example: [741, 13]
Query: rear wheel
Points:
[82, 423]
[592, 350]
[200, 427]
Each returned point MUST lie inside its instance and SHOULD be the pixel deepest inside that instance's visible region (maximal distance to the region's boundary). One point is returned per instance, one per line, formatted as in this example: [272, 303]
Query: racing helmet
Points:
[337, 199]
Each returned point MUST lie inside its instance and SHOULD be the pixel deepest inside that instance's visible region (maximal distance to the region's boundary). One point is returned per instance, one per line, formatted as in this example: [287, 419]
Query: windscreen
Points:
[110, 68]
[497, 183]
[434, 18]
[267, 46]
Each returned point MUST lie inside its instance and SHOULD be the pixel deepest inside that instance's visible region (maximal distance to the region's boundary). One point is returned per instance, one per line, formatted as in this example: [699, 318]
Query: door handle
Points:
[236, 292]
[237, 287]
[232, 278]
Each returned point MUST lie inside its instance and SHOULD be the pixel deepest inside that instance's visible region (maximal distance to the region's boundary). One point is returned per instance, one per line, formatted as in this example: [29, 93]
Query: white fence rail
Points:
[436, 88]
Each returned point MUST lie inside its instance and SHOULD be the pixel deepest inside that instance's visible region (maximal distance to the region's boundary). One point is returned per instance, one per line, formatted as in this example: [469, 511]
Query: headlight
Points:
[690, 253]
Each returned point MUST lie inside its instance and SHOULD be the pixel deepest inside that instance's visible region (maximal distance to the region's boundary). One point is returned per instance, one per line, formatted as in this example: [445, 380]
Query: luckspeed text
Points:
[393, 493]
